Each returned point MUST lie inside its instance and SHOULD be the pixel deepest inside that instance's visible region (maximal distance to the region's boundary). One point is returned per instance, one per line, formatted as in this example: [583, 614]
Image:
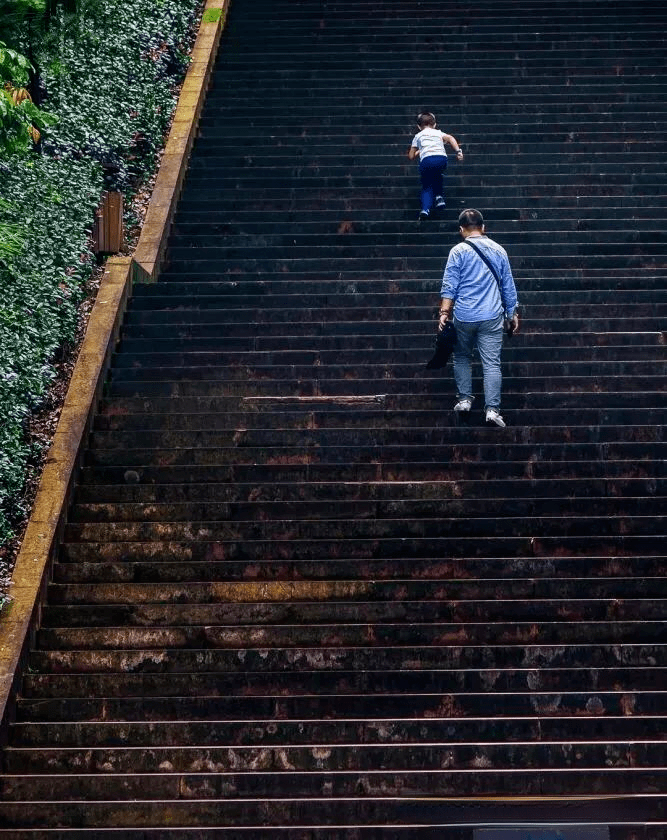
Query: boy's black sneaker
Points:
[440, 203]
[424, 214]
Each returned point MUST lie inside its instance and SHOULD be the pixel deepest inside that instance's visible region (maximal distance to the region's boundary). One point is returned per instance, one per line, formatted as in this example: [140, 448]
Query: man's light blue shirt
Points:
[469, 283]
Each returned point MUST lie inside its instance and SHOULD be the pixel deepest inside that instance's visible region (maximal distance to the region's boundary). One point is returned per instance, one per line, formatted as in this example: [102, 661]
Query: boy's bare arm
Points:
[454, 143]
[412, 152]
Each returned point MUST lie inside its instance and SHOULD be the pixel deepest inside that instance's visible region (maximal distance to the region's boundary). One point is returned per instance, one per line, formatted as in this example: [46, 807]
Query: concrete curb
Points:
[20, 620]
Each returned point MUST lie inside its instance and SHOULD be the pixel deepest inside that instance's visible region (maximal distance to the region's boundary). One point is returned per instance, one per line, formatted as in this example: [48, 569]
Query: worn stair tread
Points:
[346, 634]
[406, 706]
[344, 489]
[527, 755]
[577, 731]
[190, 785]
[445, 507]
[447, 811]
[417, 831]
[396, 658]
[343, 683]
[143, 612]
[89, 568]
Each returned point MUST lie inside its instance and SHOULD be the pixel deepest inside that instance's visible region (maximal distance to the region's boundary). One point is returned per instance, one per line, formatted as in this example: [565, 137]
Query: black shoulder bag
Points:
[509, 326]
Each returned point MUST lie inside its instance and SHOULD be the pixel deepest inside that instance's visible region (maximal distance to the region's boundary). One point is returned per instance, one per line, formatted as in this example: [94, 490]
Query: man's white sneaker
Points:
[463, 405]
[493, 416]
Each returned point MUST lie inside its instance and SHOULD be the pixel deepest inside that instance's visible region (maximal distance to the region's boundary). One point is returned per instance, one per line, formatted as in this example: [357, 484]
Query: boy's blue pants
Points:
[431, 170]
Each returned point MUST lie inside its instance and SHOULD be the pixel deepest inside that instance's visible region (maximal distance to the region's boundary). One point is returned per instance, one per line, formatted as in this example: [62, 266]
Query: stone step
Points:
[366, 227]
[603, 705]
[622, 829]
[189, 786]
[601, 527]
[87, 568]
[186, 417]
[209, 493]
[372, 282]
[136, 484]
[352, 32]
[292, 165]
[200, 323]
[373, 732]
[167, 661]
[230, 785]
[388, 363]
[405, 198]
[414, 811]
[332, 349]
[351, 240]
[198, 298]
[602, 123]
[397, 47]
[338, 459]
[344, 683]
[342, 240]
[347, 407]
[583, 756]
[548, 85]
[337, 213]
[299, 594]
[481, 155]
[367, 191]
[220, 264]
[350, 635]
[364, 548]
[388, 15]
[396, 128]
[586, 137]
[118, 515]
[272, 183]
[190, 359]
[373, 438]
[293, 389]
[566, 54]
[605, 523]
[374, 91]
[387, 320]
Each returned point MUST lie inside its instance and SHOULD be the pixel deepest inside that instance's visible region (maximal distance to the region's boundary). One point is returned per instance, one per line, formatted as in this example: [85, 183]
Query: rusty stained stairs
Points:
[295, 598]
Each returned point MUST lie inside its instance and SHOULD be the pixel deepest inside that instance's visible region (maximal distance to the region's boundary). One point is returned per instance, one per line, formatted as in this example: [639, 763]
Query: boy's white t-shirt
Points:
[429, 142]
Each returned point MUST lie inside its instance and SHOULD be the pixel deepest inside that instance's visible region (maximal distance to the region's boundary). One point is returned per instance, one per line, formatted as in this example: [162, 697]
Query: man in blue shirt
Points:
[480, 304]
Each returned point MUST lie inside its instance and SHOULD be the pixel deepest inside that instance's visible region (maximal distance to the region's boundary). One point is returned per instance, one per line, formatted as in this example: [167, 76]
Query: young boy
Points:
[429, 145]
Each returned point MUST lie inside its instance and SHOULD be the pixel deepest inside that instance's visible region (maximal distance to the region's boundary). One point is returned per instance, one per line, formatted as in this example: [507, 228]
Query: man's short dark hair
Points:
[471, 218]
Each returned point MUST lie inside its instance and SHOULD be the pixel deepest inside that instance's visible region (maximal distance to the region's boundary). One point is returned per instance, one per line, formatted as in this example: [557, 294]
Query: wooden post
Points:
[108, 228]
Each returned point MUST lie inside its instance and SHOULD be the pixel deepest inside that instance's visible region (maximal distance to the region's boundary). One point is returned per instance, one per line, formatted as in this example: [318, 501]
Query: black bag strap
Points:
[482, 256]
[489, 265]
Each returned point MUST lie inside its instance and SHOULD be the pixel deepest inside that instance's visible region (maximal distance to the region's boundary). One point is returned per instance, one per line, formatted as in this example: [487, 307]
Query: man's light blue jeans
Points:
[487, 337]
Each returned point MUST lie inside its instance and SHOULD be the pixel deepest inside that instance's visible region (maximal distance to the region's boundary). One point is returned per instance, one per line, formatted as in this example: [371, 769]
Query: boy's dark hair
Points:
[425, 118]
[471, 218]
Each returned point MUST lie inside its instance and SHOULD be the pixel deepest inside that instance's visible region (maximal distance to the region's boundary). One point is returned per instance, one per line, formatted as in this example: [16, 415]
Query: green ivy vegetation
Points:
[105, 72]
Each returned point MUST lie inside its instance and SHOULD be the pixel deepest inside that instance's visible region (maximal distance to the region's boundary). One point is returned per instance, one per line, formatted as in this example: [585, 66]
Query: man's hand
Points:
[442, 320]
[513, 324]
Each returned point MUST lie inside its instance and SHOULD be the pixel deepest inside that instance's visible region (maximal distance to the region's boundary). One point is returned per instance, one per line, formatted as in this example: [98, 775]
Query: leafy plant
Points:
[14, 67]
[20, 120]
[108, 73]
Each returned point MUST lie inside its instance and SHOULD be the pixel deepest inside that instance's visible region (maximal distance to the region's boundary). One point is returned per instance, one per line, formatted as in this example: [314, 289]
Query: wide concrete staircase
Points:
[296, 599]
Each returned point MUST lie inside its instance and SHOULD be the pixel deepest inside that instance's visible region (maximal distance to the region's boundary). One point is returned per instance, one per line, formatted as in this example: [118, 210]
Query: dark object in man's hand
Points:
[445, 341]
